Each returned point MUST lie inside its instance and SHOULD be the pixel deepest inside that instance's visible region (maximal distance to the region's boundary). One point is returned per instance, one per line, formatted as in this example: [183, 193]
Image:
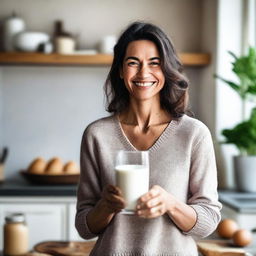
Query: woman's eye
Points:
[154, 63]
[132, 63]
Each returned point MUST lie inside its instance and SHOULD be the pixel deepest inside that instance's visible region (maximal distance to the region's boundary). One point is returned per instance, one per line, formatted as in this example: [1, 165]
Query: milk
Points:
[133, 180]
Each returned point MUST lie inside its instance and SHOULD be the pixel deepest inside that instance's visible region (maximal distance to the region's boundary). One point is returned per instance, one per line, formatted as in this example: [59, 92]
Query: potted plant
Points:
[243, 135]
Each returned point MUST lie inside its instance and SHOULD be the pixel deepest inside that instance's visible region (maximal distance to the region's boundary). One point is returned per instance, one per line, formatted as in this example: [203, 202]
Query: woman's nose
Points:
[144, 71]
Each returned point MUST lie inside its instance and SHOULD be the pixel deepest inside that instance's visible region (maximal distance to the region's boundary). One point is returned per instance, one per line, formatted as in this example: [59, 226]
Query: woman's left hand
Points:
[156, 202]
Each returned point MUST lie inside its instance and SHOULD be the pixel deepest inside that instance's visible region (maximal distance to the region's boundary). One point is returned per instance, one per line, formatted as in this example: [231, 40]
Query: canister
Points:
[12, 26]
[15, 235]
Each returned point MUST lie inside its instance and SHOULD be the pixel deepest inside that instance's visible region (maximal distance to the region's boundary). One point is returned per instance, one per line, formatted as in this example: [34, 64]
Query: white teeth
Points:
[144, 84]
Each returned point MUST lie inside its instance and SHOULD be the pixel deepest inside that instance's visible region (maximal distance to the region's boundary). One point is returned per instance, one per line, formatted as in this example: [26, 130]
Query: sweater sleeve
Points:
[88, 191]
[203, 195]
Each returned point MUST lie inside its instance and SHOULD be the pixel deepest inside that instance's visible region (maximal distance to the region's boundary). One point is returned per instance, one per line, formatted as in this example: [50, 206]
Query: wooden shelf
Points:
[21, 58]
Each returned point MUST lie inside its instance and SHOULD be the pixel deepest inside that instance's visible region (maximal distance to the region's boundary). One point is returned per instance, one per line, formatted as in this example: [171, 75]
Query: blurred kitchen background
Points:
[44, 109]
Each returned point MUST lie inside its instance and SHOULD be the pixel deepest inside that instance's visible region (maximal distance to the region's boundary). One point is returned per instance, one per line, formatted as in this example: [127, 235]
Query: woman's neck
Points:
[144, 114]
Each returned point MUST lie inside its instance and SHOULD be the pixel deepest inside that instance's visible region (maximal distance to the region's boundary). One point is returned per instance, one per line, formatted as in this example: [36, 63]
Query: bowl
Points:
[30, 41]
[52, 179]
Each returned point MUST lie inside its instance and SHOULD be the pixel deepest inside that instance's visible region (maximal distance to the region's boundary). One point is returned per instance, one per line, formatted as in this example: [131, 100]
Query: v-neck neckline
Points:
[166, 132]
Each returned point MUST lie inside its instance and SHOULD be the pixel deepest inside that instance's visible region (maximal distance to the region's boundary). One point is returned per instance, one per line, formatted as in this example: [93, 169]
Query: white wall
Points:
[45, 109]
[228, 104]
[207, 103]
[1, 108]
[93, 19]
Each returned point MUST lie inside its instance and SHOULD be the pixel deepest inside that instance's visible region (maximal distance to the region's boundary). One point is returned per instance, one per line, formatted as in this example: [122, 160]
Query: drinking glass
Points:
[132, 176]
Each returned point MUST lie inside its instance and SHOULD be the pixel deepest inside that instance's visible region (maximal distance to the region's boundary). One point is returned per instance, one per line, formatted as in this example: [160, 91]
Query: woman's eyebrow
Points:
[131, 58]
[137, 59]
[154, 58]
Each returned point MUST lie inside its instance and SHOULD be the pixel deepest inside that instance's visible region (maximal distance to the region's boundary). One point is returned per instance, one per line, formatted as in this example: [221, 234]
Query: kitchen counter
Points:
[241, 202]
[21, 187]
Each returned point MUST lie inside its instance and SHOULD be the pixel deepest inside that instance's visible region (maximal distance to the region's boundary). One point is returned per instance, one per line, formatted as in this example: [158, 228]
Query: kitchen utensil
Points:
[1, 173]
[30, 41]
[64, 248]
[50, 179]
[4, 155]
[219, 248]
[11, 27]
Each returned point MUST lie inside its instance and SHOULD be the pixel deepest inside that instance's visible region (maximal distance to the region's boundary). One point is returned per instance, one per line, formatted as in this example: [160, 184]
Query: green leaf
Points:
[230, 83]
[243, 135]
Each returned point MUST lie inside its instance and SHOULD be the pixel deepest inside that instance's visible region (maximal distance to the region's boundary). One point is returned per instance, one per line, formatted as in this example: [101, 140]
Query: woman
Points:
[147, 94]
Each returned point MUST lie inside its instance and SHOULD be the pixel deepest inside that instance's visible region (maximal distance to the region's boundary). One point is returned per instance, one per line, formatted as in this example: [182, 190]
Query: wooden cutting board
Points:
[219, 248]
[63, 248]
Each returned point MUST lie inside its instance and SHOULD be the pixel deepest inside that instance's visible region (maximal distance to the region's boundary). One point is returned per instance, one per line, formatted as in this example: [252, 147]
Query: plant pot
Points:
[245, 173]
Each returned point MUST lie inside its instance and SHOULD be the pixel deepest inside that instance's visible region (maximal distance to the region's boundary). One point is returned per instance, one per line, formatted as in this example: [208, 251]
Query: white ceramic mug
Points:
[107, 44]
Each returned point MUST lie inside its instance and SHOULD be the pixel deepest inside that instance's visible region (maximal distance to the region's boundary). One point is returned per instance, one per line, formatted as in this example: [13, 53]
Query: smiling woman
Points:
[147, 94]
[164, 59]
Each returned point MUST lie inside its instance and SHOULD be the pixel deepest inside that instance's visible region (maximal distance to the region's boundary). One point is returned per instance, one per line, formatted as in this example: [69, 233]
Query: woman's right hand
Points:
[110, 203]
[112, 199]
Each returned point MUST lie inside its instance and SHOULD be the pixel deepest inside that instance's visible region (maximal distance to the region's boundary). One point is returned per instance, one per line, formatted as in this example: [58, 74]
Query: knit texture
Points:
[182, 162]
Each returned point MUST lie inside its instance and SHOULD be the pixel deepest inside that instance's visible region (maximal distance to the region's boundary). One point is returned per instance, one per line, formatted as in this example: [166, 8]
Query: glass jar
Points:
[15, 234]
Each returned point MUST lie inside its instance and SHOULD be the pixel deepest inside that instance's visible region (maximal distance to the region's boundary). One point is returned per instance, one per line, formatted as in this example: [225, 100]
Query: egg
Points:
[242, 237]
[54, 166]
[227, 228]
[71, 168]
[37, 166]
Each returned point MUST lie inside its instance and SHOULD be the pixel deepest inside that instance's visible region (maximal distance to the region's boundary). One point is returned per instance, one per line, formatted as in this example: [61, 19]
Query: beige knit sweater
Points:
[181, 161]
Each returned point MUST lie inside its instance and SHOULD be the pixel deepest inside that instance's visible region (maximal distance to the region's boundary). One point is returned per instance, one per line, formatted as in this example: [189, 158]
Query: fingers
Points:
[153, 203]
[153, 212]
[153, 192]
[112, 189]
[150, 199]
[113, 198]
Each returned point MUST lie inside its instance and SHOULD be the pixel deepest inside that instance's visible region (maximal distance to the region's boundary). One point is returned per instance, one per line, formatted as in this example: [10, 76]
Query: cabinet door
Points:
[73, 234]
[244, 220]
[45, 221]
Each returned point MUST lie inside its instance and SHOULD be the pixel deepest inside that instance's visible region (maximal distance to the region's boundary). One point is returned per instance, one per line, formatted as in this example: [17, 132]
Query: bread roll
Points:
[37, 166]
[71, 168]
[54, 166]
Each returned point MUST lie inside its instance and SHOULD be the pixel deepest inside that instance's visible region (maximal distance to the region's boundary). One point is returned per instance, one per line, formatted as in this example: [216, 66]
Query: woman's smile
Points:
[144, 84]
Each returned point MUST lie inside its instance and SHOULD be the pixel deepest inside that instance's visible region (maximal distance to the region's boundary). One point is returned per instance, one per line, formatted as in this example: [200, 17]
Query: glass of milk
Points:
[132, 176]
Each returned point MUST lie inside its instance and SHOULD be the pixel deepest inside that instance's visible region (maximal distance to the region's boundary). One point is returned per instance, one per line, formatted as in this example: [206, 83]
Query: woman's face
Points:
[141, 71]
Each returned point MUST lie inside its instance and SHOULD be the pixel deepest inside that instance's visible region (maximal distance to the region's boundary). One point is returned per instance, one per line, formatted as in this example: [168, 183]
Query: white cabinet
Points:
[72, 234]
[244, 220]
[47, 218]
[240, 207]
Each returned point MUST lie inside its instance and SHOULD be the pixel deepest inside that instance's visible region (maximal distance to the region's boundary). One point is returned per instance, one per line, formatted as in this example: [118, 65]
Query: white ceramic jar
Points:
[15, 235]
[12, 26]
[64, 45]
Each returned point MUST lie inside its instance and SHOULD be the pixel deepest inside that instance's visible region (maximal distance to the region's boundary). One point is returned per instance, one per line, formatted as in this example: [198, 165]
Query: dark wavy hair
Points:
[174, 94]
